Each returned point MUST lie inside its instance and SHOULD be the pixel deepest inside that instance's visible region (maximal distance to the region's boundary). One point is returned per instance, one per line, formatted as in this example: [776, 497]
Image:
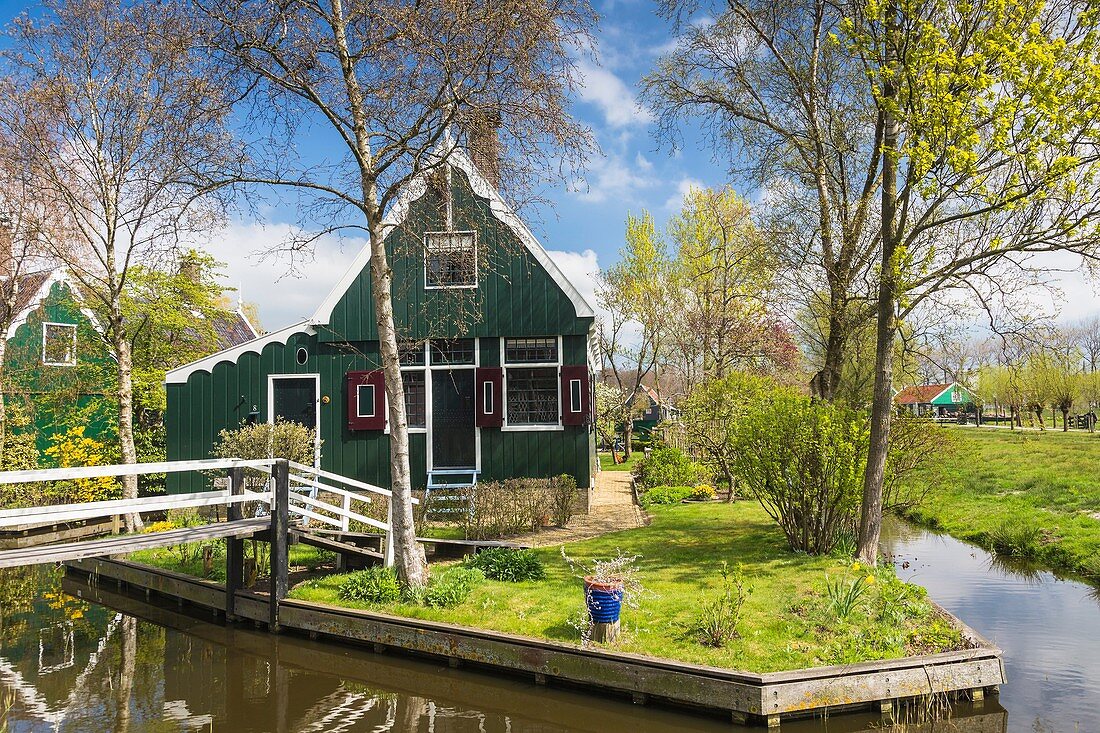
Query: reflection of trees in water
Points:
[1029, 572]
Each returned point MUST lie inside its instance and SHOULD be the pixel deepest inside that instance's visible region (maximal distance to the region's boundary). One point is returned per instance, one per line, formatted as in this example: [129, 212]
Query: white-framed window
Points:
[364, 400]
[532, 398]
[58, 344]
[487, 402]
[576, 400]
[450, 260]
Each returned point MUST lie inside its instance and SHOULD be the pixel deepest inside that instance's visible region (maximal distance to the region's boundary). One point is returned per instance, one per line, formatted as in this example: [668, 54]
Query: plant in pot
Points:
[608, 585]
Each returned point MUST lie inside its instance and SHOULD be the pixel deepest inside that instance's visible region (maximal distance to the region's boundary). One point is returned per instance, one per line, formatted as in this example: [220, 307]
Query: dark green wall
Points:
[515, 297]
[59, 397]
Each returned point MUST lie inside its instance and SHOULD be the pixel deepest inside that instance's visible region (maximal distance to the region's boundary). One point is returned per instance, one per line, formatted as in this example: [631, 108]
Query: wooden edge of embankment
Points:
[744, 695]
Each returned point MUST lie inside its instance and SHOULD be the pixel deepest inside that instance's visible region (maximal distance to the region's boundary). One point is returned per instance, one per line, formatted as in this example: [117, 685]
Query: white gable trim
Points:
[60, 275]
[180, 375]
[942, 392]
[501, 210]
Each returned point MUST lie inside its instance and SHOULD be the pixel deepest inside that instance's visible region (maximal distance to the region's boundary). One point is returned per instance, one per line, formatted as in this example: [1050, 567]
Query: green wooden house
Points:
[935, 400]
[58, 370]
[496, 348]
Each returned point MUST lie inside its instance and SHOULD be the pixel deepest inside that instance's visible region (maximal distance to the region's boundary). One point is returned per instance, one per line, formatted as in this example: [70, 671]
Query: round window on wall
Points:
[302, 355]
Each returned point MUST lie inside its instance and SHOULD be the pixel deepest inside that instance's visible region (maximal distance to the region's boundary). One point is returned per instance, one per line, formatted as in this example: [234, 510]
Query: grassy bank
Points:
[187, 559]
[1025, 493]
[787, 621]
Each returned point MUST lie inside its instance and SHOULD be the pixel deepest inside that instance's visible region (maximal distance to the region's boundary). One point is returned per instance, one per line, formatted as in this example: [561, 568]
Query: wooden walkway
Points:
[124, 544]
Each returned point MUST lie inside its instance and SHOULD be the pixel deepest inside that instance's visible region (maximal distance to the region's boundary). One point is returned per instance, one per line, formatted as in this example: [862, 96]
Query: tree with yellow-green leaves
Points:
[722, 279]
[633, 296]
[989, 156]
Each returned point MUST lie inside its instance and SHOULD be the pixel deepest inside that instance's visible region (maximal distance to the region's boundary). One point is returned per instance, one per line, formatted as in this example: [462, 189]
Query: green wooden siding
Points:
[515, 297]
[56, 398]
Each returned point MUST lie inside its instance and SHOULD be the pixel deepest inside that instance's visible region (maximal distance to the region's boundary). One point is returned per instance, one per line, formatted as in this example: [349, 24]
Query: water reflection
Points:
[1048, 627]
[118, 664]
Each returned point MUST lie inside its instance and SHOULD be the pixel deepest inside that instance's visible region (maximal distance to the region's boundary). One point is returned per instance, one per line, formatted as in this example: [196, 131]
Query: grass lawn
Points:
[187, 559]
[607, 462]
[1027, 493]
[787, 621]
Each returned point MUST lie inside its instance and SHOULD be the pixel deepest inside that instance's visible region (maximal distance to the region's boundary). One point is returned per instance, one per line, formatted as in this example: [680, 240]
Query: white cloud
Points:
[612, 178]
[581, 269]
[282, 296]
[602, 88]
[676, 201]
[643, 162]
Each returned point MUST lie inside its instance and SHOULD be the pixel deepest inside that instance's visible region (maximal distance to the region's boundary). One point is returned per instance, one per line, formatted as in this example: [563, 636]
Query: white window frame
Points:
[525, 427]
[72, 351]
[427, 404]
[427, 251]
[487, 397]
[359, 399]
[575, 405]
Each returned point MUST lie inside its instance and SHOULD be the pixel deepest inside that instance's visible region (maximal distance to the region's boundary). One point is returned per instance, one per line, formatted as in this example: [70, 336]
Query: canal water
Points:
[119, 664]
[1048, 626]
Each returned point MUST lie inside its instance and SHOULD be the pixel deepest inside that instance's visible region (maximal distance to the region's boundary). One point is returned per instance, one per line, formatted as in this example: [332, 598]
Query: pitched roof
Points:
[920, 394]
[28, 287]
[232, 329]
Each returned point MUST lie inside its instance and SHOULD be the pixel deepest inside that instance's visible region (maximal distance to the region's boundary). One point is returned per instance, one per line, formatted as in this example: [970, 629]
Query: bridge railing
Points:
[307, 489]
[56, 513]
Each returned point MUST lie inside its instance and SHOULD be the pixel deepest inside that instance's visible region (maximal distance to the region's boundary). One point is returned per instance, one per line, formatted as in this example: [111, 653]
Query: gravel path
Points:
[612, 510]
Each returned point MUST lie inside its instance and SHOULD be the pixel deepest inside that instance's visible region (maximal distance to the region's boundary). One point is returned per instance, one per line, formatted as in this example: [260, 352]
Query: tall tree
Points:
[633, 296]
[988, 157]
[783, 99]
[121, 123]
[23, 221]
[721, 285]
[396, 87]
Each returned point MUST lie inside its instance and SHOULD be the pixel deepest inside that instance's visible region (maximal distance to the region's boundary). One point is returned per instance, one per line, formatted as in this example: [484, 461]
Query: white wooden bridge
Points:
[294, 497]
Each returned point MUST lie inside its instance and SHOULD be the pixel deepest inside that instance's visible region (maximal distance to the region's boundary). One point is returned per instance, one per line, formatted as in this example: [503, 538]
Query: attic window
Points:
[58, 344]
[450, 260]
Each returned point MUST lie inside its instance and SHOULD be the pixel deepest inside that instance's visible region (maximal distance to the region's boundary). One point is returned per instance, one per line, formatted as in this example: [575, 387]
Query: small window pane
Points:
[530, 350]
[364, 400]
[533, 396]
[453, 351]
[415, 410]
[575, 395]
[411, 354]
[450, 259]
[59, 344]
[487, 399]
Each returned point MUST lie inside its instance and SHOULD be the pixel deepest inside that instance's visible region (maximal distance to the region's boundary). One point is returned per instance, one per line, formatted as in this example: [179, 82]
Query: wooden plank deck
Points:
[123, 544]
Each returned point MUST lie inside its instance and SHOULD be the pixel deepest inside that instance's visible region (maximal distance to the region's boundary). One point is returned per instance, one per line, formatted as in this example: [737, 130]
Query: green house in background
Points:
[935, 400]
[58, 371]
[497, 354]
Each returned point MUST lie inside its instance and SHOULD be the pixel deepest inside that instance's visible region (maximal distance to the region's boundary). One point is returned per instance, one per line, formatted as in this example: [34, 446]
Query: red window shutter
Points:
[576, 397]
[490, 397]
[366, 400]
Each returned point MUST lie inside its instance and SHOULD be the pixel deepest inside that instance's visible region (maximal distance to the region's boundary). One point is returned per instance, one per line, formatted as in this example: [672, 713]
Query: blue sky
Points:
[583, 228]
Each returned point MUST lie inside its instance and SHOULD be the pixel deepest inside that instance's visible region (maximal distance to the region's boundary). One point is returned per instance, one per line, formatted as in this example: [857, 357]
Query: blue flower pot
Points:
[604, 600]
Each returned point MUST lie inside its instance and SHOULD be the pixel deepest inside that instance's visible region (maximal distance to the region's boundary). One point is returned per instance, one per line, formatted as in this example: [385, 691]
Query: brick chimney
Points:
[483, 142]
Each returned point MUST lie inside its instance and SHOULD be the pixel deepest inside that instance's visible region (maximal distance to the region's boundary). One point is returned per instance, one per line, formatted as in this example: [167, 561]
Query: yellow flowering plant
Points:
[72, 449]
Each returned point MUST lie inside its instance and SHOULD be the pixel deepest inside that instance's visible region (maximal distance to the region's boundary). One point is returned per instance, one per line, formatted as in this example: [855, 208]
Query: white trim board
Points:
[60, 275]
[256, 346]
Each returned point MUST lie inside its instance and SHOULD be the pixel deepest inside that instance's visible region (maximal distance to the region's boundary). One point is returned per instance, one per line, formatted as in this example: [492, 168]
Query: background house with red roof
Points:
[935, 400]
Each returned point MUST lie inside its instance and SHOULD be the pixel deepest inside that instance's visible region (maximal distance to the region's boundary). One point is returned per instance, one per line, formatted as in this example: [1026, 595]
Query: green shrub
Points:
[803, 460]
[451, 587]
[561, 497]
[374, 585]
[675, 494]
[669, 466]
[512, 566]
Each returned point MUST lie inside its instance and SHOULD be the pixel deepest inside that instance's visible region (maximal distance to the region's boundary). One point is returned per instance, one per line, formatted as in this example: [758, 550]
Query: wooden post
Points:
[605, 633]
[234, 547]
[280, 519]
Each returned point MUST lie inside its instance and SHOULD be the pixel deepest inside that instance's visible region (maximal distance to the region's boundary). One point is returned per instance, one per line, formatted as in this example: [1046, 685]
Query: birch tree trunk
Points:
[870, 523]
[126, 420]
